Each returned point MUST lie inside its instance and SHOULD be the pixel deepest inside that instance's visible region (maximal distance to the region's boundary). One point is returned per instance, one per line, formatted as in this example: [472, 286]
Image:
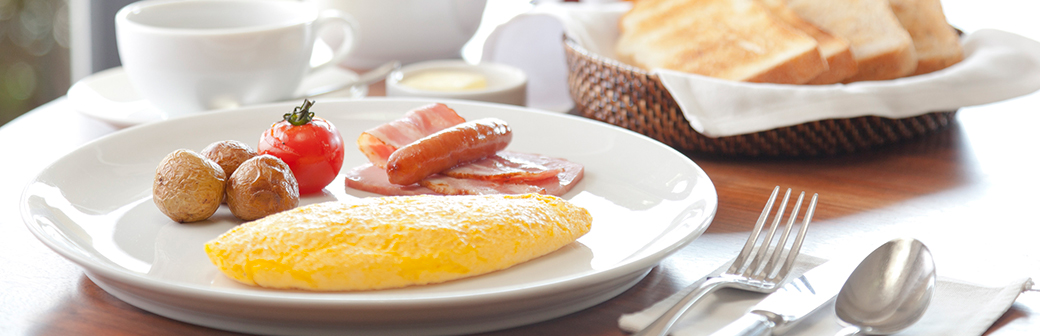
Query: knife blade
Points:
[792, 302]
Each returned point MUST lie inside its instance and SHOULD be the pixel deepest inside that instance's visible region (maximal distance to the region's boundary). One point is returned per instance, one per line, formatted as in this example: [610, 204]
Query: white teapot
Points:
[407, 30]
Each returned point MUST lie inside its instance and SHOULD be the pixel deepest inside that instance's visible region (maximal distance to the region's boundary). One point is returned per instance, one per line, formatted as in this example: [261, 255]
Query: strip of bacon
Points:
[569, 175]
[370, 178]
[507, 166]
[379, 142]
[572, 173]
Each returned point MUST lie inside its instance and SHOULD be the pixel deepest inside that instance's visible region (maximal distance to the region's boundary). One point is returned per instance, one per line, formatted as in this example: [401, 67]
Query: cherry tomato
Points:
[311, 146]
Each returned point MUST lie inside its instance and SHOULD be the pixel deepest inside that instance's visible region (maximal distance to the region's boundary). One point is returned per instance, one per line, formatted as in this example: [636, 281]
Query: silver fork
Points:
[758, 275]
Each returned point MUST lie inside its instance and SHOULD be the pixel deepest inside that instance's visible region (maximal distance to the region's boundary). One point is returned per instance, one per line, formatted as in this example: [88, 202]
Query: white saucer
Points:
[108, 95]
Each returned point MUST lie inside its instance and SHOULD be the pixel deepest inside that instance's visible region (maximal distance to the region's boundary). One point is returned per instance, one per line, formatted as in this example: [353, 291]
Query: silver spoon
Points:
[369, 77]
[889, 290]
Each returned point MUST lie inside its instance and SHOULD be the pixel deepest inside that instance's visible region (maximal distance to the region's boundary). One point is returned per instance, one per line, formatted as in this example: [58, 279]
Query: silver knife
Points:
[791, 303]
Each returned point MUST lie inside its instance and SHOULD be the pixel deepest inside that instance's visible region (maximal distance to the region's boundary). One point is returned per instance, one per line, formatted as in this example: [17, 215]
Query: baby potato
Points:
[229, 154]
[262, 186]
[188, 187]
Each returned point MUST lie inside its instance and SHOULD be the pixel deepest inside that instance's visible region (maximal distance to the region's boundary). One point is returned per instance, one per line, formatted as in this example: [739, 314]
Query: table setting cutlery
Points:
[887, 292]
[896, 291]
[893, 289]
[755, 274]
[792, 303]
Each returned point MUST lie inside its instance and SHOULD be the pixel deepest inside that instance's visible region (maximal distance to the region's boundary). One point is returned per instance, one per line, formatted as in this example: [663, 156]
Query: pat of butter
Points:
[446, 80]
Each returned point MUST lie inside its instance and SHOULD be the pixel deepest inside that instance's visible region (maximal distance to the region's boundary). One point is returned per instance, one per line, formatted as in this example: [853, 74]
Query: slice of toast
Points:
[729, 39]
[935, 41]
[836, 50]
[882, 47]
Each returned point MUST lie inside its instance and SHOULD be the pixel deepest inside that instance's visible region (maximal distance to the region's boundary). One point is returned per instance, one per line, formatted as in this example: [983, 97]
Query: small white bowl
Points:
[504, 84]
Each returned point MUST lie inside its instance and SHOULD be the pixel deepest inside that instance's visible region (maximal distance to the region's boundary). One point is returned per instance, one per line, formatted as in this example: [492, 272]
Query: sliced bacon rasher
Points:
[368, 177]
[379, 142]
[507, 166]
[373, 179]
[557, 185]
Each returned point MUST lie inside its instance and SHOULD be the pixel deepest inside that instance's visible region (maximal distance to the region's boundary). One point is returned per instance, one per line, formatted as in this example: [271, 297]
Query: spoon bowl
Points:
[889, 290]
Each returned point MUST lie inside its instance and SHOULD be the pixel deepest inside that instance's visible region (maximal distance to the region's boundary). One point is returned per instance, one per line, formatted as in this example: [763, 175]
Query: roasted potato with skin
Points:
[262, 186]
[229, 154]
[188, 187]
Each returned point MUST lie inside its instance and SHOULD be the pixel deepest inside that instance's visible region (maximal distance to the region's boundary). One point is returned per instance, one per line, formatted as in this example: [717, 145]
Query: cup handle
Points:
[333, 17]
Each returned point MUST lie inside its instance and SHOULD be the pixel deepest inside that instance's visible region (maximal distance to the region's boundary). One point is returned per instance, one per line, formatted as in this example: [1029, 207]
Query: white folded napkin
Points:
[533, 42]
[957, 308]
[998, 65]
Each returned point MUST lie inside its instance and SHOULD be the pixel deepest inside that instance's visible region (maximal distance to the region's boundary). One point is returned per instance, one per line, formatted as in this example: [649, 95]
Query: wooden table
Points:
[969, 192]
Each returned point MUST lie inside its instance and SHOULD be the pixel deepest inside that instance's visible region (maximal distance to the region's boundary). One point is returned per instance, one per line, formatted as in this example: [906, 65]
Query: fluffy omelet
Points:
[389, 242]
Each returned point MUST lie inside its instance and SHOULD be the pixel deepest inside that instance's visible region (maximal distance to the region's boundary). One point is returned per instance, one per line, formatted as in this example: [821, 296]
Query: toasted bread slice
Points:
[836, 50]
[935, 41]
[730, 39]
[882, 47]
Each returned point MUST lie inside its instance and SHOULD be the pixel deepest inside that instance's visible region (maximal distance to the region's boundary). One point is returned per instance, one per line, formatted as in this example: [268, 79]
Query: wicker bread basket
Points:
[626, 96]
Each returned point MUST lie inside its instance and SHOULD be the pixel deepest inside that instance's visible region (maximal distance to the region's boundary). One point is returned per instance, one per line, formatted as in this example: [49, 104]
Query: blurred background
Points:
[34, 54]
[45, 45]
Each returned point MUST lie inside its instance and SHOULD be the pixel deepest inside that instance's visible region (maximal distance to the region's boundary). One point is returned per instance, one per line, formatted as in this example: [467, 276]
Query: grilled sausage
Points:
[462, 143]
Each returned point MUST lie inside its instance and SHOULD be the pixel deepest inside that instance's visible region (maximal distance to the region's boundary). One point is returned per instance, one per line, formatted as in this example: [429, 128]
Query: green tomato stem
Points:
[301, 115]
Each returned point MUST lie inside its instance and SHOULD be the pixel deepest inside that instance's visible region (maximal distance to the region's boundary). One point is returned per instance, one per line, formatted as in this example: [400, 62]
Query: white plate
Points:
[94, 207]
[109, 96]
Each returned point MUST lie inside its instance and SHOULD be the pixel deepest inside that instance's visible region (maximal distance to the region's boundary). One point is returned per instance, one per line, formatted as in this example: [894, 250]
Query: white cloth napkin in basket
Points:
[957, 308]
[998, 65]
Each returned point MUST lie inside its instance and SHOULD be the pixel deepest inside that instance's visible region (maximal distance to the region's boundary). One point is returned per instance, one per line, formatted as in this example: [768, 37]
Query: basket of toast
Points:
[778, 77]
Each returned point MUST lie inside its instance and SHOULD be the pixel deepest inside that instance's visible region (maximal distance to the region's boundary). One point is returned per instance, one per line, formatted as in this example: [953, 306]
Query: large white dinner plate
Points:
[94, 207]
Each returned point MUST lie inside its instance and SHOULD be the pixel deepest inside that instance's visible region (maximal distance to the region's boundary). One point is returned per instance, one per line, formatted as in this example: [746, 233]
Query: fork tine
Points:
[758, 261]
[779, 249]
[801, 237]
[746, 251]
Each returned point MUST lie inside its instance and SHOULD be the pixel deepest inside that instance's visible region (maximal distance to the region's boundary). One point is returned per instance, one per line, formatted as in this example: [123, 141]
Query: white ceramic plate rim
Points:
[625, 267]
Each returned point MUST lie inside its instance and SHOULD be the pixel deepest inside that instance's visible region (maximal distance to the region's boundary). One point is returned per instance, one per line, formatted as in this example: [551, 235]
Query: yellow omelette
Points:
[389, 242]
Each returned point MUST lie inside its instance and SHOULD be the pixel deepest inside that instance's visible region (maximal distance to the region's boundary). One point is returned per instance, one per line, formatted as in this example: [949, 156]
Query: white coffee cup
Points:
[189, 56]
[408, 30]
